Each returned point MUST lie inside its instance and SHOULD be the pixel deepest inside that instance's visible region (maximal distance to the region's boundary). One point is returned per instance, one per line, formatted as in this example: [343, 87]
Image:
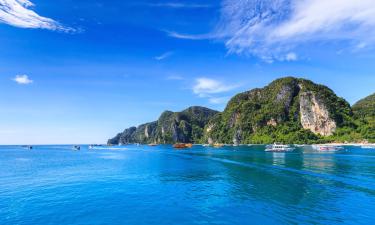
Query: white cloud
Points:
[178, 5]
[163, 56]
[271, 29]
[188, 36]
[18, 13]
[218, 100]
[204, 87]
[291, 56]
[23, 79]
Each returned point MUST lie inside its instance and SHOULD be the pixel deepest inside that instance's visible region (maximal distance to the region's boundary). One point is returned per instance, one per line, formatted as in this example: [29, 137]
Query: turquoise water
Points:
[157, 185]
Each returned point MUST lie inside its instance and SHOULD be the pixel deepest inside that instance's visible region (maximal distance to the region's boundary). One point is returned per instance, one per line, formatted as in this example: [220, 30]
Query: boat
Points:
[95, 145]
[327, 148]
[182, 145]
[279, 148]
[29, 147]
[76, 147]
[368, 146]
[189, 145]
[152, 144]
[217, 145]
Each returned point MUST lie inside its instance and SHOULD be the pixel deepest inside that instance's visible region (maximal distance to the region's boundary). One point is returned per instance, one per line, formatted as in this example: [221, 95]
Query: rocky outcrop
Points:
[287, 110]
[315, 116]
[171, 127]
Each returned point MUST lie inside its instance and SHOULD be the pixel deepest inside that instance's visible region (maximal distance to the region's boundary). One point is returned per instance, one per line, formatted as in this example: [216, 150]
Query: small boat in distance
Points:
[29, 147]
[95, 145]
[368, 146]
[327, 148]
[217, 145]
[76, 147]
[182, 145]
[279, 148]
[152, 144]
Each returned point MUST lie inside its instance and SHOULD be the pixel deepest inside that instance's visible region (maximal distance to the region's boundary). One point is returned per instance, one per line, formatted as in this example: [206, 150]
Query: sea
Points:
[158, 185]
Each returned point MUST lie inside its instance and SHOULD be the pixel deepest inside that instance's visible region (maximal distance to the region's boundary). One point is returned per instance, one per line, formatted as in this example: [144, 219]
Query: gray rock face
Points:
[288, 110]
[128, 135]
[315, 116]
[171, 127]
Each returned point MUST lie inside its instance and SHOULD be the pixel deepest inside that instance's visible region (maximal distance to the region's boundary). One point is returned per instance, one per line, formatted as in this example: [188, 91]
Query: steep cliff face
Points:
[171, 127]
[315, 116]
[288, 109]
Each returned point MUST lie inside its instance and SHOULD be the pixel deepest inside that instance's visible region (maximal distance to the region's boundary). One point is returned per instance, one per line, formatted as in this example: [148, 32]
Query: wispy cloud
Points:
[291, 56]
[218, 100]
[211, 88]
[18, 13]
[189, 36]
[272, 29]
[205, 85]
[178, 5]
[163, 56]
[22, 79]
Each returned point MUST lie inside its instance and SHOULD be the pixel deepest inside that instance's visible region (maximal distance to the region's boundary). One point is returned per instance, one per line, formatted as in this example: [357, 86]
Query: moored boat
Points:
[152, 144]
[368, 146]
[217, 145]
[327, 148]
[182, 145]
[76, 147]
[279, 148]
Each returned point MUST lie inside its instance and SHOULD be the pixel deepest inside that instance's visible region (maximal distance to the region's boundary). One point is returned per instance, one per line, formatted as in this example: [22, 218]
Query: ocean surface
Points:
[158, 185]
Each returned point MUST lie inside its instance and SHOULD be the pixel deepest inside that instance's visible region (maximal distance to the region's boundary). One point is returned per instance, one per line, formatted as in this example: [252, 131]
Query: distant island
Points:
[288, 110]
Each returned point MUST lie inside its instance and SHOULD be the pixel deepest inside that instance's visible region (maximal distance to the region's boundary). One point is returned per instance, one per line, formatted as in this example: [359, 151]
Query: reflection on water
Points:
[278, 158]
[148, 185]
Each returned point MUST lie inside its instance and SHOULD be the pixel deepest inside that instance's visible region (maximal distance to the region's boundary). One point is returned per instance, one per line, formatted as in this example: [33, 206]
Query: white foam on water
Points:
[112, 156]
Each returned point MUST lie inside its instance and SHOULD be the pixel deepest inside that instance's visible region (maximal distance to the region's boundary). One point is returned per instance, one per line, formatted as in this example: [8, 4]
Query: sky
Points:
[80, 71]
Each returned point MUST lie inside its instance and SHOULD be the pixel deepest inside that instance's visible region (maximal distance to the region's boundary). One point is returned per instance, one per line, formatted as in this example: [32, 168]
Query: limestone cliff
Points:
[288, 110]
[171, 127]
[315, 116]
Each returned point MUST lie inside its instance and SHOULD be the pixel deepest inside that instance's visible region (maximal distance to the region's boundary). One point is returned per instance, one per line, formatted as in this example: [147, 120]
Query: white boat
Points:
[327, 148]
[368, 146]
[76, 147]
[279, 148]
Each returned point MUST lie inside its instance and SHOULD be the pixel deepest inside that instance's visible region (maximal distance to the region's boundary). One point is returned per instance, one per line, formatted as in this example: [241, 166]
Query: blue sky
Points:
[80, 71]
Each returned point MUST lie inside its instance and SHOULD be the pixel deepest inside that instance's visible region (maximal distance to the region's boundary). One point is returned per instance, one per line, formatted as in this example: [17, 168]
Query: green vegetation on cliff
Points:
[364, 113]
[171, 127]
[288, 110]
